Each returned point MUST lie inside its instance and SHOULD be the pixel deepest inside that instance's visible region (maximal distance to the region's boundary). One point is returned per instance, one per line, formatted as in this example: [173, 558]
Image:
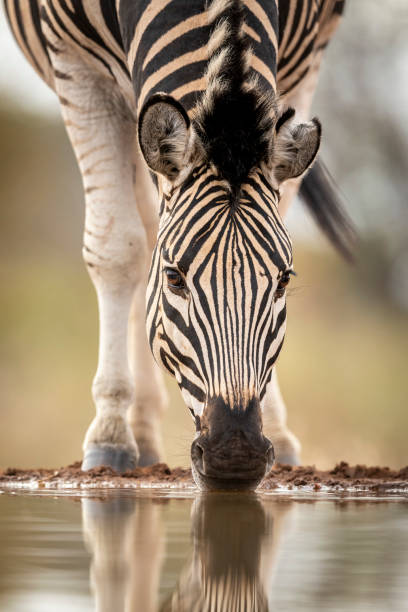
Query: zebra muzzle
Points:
[231, 452]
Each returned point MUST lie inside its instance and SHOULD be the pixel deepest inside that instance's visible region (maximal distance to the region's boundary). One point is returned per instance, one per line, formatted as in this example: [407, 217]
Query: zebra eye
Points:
[174, 279]
[282, 284]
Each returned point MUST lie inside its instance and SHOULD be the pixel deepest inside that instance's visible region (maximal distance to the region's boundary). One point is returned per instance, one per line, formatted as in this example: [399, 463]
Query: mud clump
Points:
[342, 477]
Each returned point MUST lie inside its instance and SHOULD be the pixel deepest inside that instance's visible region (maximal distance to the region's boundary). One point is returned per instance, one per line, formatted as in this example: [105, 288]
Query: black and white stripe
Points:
[233, 331]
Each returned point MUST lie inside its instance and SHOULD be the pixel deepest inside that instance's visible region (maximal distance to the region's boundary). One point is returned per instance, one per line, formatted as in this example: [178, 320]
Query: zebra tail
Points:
[323, 200]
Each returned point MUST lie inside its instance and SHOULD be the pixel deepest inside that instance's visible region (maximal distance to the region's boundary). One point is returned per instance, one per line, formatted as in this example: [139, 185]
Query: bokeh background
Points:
[344, 367]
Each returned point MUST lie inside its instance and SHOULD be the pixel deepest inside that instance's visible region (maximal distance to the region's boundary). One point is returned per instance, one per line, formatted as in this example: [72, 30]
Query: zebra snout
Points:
[231, 463]
[231, 451]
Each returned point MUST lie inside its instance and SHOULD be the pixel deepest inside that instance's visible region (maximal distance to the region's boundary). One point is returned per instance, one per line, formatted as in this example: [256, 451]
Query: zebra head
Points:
[216, 312]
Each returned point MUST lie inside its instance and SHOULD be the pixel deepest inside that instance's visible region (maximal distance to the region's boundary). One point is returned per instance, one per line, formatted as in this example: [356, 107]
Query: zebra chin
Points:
[230, 451]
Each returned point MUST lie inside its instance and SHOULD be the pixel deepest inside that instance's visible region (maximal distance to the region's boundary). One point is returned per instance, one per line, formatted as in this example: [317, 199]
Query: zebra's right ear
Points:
[164, 135]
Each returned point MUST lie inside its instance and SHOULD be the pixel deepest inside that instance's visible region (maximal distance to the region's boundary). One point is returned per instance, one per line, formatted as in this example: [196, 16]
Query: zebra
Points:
[199, 96]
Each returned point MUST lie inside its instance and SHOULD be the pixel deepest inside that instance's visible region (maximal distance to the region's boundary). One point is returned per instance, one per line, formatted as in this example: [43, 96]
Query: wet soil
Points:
[342, 477]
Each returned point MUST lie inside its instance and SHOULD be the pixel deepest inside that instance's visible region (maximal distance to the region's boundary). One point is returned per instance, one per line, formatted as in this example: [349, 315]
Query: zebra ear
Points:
[295, 146]
[164, 134]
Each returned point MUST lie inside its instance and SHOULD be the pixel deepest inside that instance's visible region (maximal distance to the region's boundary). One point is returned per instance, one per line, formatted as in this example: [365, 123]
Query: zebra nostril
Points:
[270, 458]
[200, 457]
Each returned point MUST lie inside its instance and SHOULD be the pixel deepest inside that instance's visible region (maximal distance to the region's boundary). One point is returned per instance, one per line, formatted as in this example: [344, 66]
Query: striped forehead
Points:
[206, 217]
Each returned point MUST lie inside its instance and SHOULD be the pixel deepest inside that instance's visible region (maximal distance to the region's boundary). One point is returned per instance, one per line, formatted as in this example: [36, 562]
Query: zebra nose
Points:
[230, 451]
[233, 464]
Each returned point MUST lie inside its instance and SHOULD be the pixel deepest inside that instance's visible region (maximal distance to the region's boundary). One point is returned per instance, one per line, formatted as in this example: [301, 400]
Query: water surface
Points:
[151, 551]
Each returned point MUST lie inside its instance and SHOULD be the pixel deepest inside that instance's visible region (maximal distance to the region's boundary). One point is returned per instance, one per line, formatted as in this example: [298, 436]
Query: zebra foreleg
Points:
[286, 445]
[150, 398]
[115, 253]
[102, 132]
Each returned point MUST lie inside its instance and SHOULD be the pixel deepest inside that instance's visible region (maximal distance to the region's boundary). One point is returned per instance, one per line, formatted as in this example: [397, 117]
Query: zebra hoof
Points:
[148, 458]
[119, 459]
[148, 453]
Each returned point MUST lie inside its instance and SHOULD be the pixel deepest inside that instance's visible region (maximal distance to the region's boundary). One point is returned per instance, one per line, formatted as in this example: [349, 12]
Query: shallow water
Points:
[148, 551]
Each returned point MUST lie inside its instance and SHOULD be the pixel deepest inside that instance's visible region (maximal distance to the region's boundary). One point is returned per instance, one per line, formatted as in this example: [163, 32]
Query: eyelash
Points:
[282, 284]
[175, 280]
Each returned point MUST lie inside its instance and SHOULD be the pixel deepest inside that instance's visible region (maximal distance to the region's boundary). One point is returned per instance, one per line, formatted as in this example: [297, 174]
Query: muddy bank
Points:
[158, 473]
[342, 477]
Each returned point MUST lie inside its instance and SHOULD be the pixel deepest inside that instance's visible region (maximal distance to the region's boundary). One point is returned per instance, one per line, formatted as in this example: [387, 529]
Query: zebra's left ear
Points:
[164, 135]
[295, 146]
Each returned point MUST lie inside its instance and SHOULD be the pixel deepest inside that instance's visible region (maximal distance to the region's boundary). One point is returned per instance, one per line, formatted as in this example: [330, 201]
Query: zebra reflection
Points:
[126, 541]
[235, 540]
[224, 573]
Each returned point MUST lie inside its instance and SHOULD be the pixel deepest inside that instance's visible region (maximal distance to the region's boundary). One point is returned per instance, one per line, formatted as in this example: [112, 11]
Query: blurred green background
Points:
[343, 369]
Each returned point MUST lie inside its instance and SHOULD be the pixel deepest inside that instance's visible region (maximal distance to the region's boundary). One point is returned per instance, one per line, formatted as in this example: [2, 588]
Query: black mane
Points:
[235, 129]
